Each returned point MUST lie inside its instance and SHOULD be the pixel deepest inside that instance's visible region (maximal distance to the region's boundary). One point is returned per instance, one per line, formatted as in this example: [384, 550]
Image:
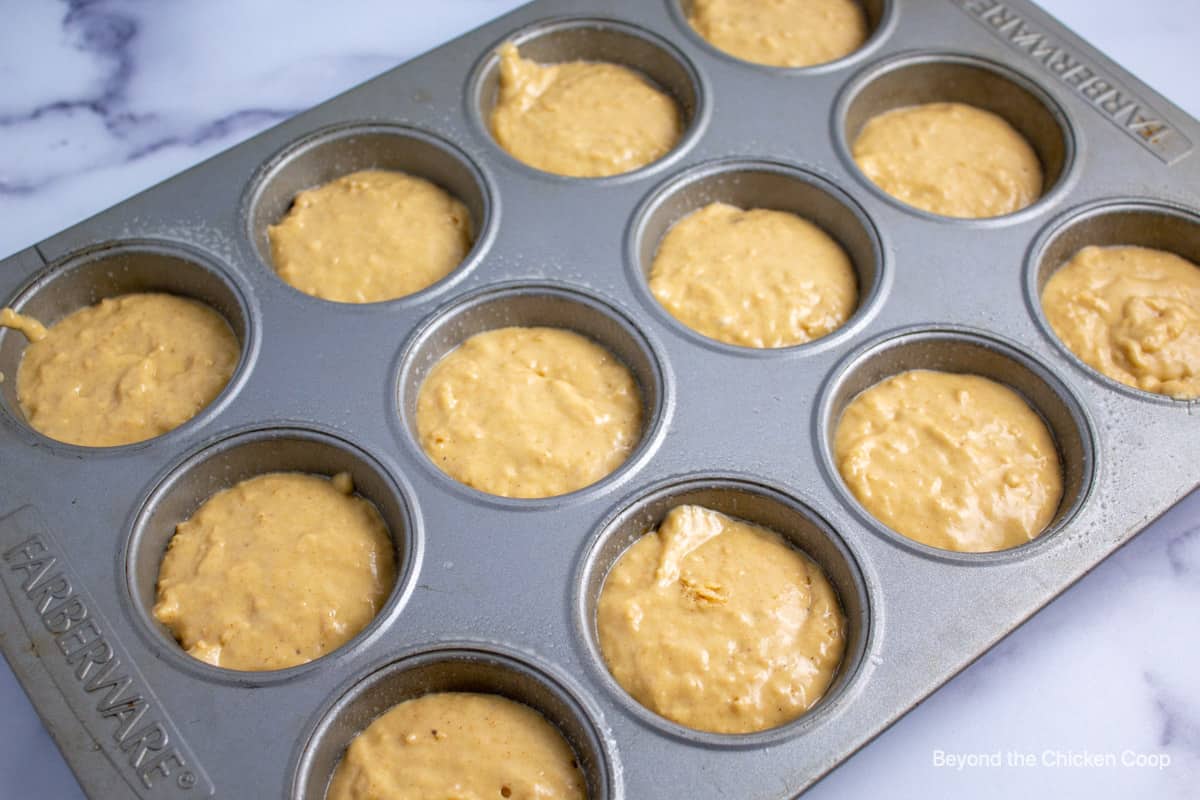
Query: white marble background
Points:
[102, 98]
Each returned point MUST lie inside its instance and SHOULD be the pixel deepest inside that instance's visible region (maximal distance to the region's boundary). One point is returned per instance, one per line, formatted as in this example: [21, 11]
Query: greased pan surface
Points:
[497, 595]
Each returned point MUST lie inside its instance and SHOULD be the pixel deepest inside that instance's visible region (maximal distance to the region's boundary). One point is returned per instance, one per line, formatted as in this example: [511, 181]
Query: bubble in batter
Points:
[757, 278]
[459, 745]
[275, 571]
[719, 624]
[953, 461]
[781, 33]
[370, 236]
[124, 370]
[1131, 313]
[583, 119]
[529, 412]
[950, 159]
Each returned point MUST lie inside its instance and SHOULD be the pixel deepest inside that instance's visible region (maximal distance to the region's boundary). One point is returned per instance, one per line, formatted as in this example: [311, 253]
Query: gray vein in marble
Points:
[1180, 721]
[1183, 551]
[106, 35]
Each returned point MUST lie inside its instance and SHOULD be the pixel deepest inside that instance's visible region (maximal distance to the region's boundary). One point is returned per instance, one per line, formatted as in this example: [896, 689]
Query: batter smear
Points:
[459, 745]
[1131, 313]
[757, 278]
[953, 461]
[719, 624]
[529, 412]
[124, 370]
[275, 571]
[27, 326]
[583, 119]
[950, 159]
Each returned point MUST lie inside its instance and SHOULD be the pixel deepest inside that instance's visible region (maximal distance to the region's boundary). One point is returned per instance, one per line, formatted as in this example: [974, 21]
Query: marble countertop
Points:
[101, 98]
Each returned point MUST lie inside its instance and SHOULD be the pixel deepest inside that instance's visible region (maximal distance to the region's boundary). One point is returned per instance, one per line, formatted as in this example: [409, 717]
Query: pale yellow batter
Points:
[720, 625]
[581, 118]
[781, 33]
[1131, 313]
[370, 236]
[30, 328]
[529, 412]
[275, 571]
[950, 159]
[756, 278]
[126, 369]
[459, 746]
[953, 461]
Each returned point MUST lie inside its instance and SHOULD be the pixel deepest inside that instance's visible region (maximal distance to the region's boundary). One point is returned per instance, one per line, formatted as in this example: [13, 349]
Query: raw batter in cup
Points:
[756, 278]
[1131, 313]
[720, 625]
[275, 571]
[583, 119]
[781, 33]
[124, 370]
[529, 412]
[953, 461]
[950, 159]
[459, 745]
[370, 236]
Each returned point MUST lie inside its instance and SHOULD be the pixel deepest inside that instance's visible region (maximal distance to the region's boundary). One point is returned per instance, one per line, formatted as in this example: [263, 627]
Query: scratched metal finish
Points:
[497, 594]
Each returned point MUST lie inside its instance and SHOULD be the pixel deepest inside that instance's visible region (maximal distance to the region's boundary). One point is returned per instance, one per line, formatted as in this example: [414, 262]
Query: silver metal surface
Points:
[498, 595]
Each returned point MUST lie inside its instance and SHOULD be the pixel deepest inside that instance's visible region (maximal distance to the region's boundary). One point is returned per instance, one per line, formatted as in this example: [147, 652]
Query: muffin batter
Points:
[370, 236]
[529, 412]
[953, 461]
[950, 159]
[720, 625]
[27, 326]
[275, 571]
[1131, 313]
[781, 33]
[756, 278]
[126, 369]
[580, 118]
[459, 745]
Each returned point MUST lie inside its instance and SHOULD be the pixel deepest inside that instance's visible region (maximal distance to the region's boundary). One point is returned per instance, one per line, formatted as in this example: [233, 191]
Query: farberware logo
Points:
[91, 669]
[1104, 93]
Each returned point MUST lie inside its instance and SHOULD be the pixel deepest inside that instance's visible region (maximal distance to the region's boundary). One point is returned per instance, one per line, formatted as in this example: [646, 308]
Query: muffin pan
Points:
[498, 594]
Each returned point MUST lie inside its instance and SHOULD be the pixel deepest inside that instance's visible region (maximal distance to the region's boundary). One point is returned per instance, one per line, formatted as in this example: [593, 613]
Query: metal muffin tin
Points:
[498, 594]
